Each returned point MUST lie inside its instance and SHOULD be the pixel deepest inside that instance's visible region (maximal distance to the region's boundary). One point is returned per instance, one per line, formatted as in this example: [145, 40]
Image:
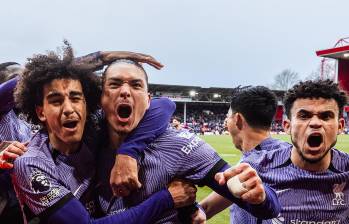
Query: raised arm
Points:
[101, 58]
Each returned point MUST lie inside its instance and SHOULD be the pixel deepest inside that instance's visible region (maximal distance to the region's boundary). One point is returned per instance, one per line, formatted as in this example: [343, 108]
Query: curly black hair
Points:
[257, 104]
[42, 69]
[326, 89]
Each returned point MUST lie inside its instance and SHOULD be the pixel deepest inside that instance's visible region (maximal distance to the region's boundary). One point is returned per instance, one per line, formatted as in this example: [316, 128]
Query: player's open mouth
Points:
[124, 112]
[314, 140]
[70, 124]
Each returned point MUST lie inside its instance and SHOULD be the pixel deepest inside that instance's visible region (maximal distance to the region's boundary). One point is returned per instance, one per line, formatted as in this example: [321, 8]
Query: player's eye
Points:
[137, 84]
[55, 101]
[303, 115]
[326, 116]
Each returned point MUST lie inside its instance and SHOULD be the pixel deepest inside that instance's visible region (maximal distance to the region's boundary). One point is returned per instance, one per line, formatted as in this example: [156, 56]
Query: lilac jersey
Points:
[306, 197]
[13, 129]
[42, 176]
[174, 154]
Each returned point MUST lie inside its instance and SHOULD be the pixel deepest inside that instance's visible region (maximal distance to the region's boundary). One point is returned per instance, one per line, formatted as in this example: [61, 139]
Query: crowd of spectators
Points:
[204, 121]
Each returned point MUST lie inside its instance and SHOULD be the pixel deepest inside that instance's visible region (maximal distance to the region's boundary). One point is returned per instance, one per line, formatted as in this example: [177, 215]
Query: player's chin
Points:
[123, 129]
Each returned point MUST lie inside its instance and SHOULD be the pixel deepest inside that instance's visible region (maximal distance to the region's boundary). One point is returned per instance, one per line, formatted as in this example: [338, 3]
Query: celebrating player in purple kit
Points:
[249, 119]
[174, 154]
[310, 176]
[59, 168]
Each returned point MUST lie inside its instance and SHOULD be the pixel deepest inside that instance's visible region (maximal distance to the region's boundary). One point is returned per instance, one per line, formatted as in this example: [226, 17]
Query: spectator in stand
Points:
[176, 123]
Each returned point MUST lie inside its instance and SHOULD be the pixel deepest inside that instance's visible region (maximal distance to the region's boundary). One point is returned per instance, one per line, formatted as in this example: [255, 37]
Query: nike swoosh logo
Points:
[77, 190]
[282, 191]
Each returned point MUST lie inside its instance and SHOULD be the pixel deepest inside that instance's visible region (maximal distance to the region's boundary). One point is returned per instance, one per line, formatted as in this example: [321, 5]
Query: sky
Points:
[220, 43]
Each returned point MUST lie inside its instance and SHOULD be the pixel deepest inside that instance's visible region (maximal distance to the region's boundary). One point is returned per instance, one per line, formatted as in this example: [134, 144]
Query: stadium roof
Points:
[336, 53]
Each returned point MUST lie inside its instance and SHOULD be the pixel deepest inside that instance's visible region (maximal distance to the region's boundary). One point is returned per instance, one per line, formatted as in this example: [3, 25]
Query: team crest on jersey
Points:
[339, 195]
[39, 182]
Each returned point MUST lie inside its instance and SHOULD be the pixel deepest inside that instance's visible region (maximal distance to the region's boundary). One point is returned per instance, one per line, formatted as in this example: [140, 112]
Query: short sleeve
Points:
[36, 183]
[197, 158]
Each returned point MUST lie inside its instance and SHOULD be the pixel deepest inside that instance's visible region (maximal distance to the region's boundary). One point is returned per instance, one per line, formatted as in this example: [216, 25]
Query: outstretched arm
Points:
[258, 199]
[74, 212]
[101, 58]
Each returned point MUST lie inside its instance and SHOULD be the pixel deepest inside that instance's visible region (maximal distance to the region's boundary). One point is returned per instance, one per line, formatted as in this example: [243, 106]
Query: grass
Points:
[223, 145]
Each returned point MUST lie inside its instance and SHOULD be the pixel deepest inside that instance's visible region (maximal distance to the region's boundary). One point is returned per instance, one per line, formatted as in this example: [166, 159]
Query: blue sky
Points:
[221, 43]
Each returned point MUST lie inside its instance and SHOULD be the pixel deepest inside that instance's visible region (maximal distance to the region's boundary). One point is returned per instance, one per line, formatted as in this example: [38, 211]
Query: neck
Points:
[319, 166]
[63, 147]
[115, 138]
[253, 137]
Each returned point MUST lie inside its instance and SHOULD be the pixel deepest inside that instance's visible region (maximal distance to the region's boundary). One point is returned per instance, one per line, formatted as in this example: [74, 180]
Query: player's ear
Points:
[40, 113]
[148, 100]
[341, 125]
[239, 120]
[286, 123]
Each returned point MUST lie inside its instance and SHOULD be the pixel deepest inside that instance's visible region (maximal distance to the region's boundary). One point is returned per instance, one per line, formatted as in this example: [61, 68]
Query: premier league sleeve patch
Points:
[39, 182]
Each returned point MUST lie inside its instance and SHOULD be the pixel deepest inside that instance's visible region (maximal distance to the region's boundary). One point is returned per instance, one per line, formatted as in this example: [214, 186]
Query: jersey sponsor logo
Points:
[297, 221]
[39, 182]
[339, 195]
[281, 220]
[192, 144]
[278, 220]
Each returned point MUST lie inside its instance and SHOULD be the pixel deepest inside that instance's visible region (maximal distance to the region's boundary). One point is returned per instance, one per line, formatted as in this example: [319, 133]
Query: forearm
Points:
[73, 212]
[154, 123]
[6, 95]
[268, 209]
[214, 204]
[94, 60]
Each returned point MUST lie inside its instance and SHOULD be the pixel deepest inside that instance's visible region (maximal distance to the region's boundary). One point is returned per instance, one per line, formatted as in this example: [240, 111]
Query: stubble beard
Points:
[311, 161]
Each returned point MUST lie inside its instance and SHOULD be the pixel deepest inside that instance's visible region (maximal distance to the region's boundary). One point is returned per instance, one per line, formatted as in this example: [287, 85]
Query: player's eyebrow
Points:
[53, 94]
[75, 93]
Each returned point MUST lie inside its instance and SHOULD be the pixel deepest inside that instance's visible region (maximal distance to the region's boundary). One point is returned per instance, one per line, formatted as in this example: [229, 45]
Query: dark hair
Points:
[177, 118]
[5, 73]
[43, 69]
[326, 89]
[257, 105]
[128, 61]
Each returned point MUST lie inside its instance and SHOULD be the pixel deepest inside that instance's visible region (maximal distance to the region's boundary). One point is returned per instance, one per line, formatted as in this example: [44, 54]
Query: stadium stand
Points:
[203, 110]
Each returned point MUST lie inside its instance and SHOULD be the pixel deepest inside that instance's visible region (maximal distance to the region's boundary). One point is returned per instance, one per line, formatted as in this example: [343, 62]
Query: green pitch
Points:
[223, 145]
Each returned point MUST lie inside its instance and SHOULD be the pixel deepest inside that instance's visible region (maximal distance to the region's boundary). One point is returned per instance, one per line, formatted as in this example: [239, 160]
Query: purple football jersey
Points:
[174, 154]
[306, 197]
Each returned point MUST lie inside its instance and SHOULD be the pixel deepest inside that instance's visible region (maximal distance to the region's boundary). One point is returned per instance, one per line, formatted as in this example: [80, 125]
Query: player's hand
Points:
[199, 217]
[183, 193]
[12, 151]
[124, 176]
[110, 56]
[254, 190]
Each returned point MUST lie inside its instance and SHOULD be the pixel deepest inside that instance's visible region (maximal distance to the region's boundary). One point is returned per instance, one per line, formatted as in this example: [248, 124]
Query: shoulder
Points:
[180, 140]
[340, 160]
[37, 155]
[269, 158]
[162, 102]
